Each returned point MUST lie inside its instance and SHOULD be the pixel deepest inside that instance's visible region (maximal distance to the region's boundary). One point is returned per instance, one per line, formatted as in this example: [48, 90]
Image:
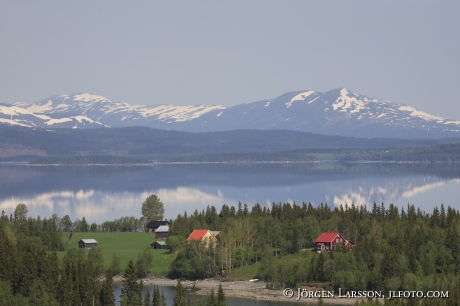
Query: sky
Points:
[186, 52]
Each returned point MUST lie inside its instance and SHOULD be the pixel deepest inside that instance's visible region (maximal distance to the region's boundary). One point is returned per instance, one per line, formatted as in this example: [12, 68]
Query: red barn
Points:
[328, 241]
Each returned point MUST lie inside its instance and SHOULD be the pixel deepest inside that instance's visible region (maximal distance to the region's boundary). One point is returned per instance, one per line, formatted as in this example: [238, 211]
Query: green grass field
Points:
[127, 246]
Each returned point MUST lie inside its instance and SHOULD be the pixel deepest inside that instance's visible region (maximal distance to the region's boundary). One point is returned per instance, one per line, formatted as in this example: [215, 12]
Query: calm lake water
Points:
[169, 294]
[101, 193]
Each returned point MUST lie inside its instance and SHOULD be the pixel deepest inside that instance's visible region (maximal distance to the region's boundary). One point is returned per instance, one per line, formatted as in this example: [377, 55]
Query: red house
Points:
[328, 241]
[209, 238]
[199, 235]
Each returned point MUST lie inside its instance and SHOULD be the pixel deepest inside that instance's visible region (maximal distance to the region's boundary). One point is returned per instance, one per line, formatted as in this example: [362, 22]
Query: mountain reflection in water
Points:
[107, 192]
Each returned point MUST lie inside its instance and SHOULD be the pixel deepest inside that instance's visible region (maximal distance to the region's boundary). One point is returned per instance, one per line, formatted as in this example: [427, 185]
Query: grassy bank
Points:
[124, 245]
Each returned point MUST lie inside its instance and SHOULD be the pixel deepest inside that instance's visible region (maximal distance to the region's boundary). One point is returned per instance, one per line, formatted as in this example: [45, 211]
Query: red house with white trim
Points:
[328, 241]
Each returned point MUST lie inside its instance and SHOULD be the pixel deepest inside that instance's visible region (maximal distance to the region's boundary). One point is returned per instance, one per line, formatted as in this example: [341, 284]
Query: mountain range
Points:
[338, 112]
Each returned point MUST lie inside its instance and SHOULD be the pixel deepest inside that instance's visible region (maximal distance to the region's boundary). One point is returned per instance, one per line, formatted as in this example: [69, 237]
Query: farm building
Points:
[162, 232]
[160, 244]
[87, 243]
[210, 238]
[153, 225]
[328, 241]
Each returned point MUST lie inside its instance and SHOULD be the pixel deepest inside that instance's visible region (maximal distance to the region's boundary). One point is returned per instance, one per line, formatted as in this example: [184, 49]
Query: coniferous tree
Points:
[39, 295]
[180, 296]
[211, 300]
[221, 301]
[115, 265]
[147, 299]
[131, 293]
[83, 226]
[144, 262]
[156, 296]
[106, 297]
[8, 298]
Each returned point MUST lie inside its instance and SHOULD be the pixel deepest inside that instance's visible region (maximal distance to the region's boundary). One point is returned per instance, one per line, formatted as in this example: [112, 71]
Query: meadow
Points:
[129, 245]
[124, 245]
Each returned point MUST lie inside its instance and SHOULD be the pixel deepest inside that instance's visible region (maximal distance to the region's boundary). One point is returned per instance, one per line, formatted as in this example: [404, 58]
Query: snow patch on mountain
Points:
[13, 122]
[14, 110]
[348, 102]
[58, 121]
[299, 97]
[87, 97]
[313, 100]
[37, 108]
[179, 113]
[420, 114]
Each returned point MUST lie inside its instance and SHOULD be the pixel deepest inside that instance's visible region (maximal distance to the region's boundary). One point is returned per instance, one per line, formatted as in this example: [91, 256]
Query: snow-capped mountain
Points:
[335, 112]
[88, 110]
[29, 117]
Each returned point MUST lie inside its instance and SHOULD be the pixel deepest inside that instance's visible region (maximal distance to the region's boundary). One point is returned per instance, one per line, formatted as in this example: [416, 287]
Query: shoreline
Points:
[244, 289]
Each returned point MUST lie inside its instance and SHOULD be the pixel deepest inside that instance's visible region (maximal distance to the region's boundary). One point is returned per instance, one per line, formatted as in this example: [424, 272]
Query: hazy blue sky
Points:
[231, 52]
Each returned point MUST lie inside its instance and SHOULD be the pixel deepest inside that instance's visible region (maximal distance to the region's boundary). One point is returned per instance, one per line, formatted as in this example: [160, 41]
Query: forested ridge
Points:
[396, 248]
[138, 145]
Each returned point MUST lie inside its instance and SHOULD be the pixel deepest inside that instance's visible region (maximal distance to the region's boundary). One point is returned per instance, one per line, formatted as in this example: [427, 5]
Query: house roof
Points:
[162, 229]
[197, 234]
[156, 224]
[89, 240]
[327, 237]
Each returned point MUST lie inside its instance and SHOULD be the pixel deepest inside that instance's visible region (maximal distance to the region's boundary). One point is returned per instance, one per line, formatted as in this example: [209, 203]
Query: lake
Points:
[102, 193]
[231, 301]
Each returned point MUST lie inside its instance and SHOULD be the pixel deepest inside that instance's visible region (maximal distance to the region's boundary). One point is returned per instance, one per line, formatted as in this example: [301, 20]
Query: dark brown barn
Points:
[87, 243]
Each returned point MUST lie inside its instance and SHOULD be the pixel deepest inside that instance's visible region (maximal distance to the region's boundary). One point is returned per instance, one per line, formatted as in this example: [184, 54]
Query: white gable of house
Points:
[162, 229]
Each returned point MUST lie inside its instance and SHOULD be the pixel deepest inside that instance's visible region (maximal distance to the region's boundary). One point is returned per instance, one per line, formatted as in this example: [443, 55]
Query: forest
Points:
[395, 249]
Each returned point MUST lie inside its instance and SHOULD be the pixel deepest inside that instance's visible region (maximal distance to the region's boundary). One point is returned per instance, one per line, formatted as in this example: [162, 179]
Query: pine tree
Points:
[221, 301]
[131, 293]
[211, 301]
[156, 296]
[147, 299]
[180, 297]
[106, 297]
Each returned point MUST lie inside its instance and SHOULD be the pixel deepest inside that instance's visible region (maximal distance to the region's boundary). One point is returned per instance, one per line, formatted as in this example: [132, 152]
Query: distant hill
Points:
[138, 144]
[338, 112]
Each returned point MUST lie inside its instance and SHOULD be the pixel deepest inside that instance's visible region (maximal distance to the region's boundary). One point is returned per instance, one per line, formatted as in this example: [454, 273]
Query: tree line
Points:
[31, 274]
[395, 248]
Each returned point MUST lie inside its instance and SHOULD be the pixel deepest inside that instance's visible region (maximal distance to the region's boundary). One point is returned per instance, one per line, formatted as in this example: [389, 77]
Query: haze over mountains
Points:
[338, 112]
